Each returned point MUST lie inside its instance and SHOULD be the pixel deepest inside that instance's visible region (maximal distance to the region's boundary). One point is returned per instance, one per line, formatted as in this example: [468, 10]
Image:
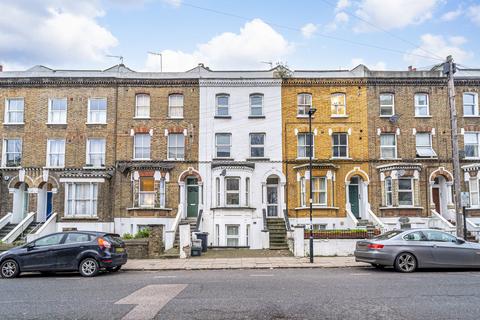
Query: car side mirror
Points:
[30, 246]
[460, 241]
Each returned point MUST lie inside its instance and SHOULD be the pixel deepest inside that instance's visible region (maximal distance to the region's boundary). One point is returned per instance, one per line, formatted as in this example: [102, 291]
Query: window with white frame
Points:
[97, 110]
[304, 103]
[470, 104]
[256, 105]
[257, 145]
[232, 191]
[421, 105]
[81, 199]
[141, 146]
[12, 152]
[57, 111]
[95, 152]
[247, 192]
[319, 190]
[338, 104]
[304, 141]
[303, 194]
[423, 143]
[217, 185]
[387, 104]
[142, 105]
[55, 153]
[247, 235]
[163, 192]
[221, 105]
[388, 192]
[146, 196]
[474, 193]
[340, 145]
[176, 146]
[471, 144]
[14, 108]
[232, 235]
[175, 105]
[223, 145]
[388, 146]
[405, 192]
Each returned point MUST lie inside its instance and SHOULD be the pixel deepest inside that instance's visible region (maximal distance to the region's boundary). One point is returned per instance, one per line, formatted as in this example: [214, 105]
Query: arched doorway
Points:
[272, 195]
[20, 203]
[191, 192]
[45, 202]
[439, 195]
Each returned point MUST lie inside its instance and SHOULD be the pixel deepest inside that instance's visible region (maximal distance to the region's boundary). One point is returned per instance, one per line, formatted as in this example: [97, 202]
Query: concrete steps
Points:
[278, 234]
[174, 252]
[6, 230]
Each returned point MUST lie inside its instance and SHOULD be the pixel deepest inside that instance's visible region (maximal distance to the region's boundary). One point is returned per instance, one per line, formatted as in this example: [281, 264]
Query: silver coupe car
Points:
[407, 250]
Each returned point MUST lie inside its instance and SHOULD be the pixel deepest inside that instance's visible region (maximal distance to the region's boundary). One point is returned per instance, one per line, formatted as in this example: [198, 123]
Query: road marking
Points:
[150, 299]
[76, 278]
[359, 274]
[261, 275]
[162, 277]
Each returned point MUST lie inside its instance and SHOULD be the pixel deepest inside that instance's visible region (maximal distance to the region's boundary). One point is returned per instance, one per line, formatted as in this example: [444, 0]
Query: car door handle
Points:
[434, 246]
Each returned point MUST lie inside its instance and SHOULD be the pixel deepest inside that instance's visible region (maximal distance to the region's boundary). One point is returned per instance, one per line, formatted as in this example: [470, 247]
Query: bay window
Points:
[319, 190]
[405, 192]
[232, 191]
[146, 196]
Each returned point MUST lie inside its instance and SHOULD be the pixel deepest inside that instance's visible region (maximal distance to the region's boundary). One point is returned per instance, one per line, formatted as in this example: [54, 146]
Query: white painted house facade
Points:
[240, 156]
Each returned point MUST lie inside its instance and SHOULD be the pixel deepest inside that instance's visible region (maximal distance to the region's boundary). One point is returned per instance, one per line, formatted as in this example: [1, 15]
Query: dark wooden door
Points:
[436, 199]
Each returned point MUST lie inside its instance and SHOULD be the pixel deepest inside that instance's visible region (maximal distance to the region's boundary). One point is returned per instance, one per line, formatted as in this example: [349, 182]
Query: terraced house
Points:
[109, 150]
[340, 147]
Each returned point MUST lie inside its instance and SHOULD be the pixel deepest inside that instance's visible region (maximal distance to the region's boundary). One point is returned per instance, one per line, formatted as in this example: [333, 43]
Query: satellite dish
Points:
[393, 119]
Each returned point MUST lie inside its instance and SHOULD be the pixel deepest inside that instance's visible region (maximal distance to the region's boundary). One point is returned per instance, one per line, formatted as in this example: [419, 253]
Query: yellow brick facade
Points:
[335, 170]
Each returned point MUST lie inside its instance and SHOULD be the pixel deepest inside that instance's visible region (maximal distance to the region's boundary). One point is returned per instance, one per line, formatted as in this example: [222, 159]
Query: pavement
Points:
[321, 293]
[277, 262]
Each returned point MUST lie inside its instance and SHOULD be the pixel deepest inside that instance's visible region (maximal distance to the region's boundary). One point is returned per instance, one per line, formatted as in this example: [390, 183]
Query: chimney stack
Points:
[1, 68]
[411, 68]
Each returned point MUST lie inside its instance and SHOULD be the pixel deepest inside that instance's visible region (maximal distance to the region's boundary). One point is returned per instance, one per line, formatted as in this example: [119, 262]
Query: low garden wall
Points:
[5, 246]
[331, 247]
[137, 248]
[147, 244]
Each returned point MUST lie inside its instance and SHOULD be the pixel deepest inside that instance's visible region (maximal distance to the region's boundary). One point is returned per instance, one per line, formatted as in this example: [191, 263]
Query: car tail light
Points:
[375, 246]
[104, 244]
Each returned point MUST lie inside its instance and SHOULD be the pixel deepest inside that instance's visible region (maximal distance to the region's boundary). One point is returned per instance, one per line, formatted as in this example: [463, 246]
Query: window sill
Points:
[386, 117]
[256, 117]
[258, 159]
[175, 118]
[55, 124]
[142, 118]
[93, 167]
[233, 208]
[401, 207]
[423, 116]
[472, 158]
[339, 116]
[14, 123]
[149, 209]
[52, 167]
[317, 207]
[223, 159]
[301, 116]
[146, 159]
[176, 160]
[340, 158]
[222, 117]
[96, 123]
[426, 158]
[10, 168]
[390, 159]
[79, 218]
[305, 158]
[472, 116]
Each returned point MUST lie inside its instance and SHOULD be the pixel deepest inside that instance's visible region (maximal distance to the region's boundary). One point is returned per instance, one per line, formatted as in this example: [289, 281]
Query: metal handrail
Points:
[199, 220]
[287, 220]
[264, 213]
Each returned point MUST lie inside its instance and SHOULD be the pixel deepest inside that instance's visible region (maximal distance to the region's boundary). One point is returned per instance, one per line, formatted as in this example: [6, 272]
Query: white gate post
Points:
[299, 241]
[185, 240]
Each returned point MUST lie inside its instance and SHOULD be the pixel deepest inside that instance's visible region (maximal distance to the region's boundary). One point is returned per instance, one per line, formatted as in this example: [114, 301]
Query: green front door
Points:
[192, 197]
[353, 196]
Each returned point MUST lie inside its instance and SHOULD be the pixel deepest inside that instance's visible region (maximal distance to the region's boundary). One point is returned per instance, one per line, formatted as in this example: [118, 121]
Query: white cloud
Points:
[174, 3]
[255, 42]
[53, 32]
[393, 14]
[342, 4]
[309, 30]
[341, 18]
[380, 65]
[441, 46]
[452, 15]
[473, 13]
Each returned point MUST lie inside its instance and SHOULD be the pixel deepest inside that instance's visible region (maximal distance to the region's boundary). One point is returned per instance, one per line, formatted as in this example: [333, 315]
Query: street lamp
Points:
[311, 112]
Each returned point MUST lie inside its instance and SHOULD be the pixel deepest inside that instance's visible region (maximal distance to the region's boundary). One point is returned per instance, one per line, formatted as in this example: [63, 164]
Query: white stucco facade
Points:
[235, 180]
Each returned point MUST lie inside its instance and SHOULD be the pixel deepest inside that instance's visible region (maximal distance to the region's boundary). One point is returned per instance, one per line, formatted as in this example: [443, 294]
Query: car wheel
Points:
[114, 269]
[405, 262]
[378, 266]
[88, 267]
[9, 269]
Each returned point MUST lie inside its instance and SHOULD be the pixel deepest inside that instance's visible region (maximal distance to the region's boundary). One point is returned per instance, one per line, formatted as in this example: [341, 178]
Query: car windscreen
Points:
[388, 235]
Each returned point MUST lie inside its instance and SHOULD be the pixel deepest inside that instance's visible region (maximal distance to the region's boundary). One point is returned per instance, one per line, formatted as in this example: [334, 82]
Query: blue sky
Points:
[304, 34]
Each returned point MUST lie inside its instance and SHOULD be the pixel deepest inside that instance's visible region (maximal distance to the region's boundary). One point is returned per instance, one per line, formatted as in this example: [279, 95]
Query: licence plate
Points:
[119, 250]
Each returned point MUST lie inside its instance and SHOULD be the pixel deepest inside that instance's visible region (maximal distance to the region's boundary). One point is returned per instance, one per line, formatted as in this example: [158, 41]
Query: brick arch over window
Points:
[15, 182]
[357, 172]
[441, 172]
[189, 172]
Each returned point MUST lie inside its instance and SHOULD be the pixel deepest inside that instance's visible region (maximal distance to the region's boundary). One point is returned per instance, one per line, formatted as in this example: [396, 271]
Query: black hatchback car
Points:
[85, 251]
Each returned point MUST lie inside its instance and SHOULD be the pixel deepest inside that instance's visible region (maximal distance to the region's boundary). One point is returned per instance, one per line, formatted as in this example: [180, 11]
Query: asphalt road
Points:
[345, 293]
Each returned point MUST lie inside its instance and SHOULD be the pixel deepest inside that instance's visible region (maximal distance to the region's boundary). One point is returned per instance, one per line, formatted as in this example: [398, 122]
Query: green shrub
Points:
[144, 233]
[127, 236]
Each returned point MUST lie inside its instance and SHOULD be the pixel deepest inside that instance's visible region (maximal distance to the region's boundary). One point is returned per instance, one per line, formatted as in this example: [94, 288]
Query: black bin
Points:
[204, 237]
